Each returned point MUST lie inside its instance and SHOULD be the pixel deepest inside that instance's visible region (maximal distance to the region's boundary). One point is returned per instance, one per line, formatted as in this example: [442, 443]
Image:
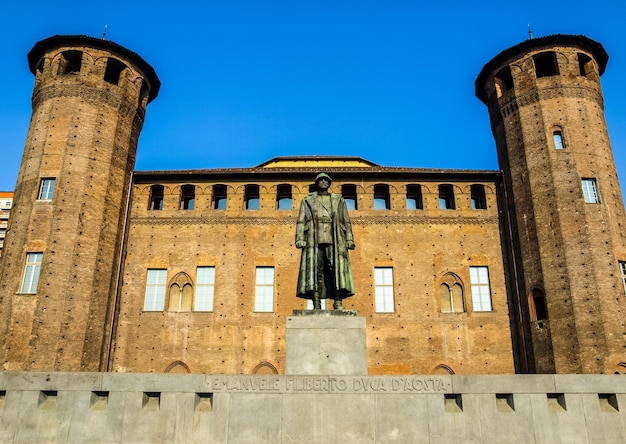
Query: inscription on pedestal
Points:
[329, 384]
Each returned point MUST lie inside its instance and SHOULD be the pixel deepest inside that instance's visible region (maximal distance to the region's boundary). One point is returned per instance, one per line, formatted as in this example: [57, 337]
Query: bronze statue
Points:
[324, 233]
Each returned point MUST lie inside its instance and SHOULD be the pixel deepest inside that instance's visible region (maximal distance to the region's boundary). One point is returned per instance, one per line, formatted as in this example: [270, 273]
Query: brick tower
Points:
[564, 211]
[58, 275]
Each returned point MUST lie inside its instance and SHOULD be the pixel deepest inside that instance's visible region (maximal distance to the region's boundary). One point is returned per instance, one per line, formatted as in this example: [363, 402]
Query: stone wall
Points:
[125, 407]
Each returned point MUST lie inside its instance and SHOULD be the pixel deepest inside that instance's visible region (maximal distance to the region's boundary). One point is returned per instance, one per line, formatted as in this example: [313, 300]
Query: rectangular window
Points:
[381, 197]
[414, 197]
[155, 290]
[348, 192]
[219, 197]
[46, 189]
[283, 197]
[446, 197]
[479, 201]
[251, 197]
[590, 191]
[205, 286]
[622, 272]
[383, 286]
[481, 294]
[264, 293]
[187, 197]
[31, 273]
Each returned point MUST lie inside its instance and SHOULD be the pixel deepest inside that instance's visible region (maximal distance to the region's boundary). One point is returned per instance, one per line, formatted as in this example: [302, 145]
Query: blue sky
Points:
[244, 81]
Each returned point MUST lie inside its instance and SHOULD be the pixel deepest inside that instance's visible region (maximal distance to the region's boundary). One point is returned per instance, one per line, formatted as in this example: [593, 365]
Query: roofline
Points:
[45, 45]
[514, 52]
[337, 173]
[317, 158]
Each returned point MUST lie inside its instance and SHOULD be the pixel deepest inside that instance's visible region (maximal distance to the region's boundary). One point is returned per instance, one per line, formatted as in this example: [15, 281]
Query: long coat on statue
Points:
[342, 232]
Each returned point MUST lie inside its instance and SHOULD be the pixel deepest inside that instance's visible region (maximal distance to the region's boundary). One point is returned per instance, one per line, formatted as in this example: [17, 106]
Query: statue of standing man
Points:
[324, 233]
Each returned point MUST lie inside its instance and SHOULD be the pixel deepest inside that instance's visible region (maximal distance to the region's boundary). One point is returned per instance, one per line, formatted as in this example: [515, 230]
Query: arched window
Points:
[156, 197]
[479, 201]
[348, 191]
[446, 197]
[451, 294]
[251, 197]
[113, 71]
[414, 197]
[381, 197]
[546, 64]
[181, 293]
[537, 305]
[503, 81]
[71, 62]
[557, 137]
[284, 200]
[585, 66]
[187, 197]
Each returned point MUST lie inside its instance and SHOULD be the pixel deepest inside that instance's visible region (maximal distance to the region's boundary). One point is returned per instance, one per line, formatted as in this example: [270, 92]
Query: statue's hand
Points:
[350, 245]
[300, 244]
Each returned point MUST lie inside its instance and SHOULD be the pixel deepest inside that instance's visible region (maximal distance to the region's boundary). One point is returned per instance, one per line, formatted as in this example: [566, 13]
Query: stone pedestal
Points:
[324, 342]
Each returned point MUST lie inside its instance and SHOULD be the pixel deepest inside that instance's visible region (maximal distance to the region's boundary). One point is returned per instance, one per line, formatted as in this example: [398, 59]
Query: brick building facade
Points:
[456, 271]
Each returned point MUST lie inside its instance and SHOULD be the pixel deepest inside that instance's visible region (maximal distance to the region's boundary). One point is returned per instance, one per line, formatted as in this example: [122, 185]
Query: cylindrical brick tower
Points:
[563, 211]
[58, 275]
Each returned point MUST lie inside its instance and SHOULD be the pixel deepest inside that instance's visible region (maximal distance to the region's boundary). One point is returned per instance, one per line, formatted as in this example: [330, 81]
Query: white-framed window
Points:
[481, 293]
[383, 288]
[590, 191]
[31, 273]
[264, 289]
[622, 272]
[557, 136]
[155, 289]
[205, 287]
[46, 189]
